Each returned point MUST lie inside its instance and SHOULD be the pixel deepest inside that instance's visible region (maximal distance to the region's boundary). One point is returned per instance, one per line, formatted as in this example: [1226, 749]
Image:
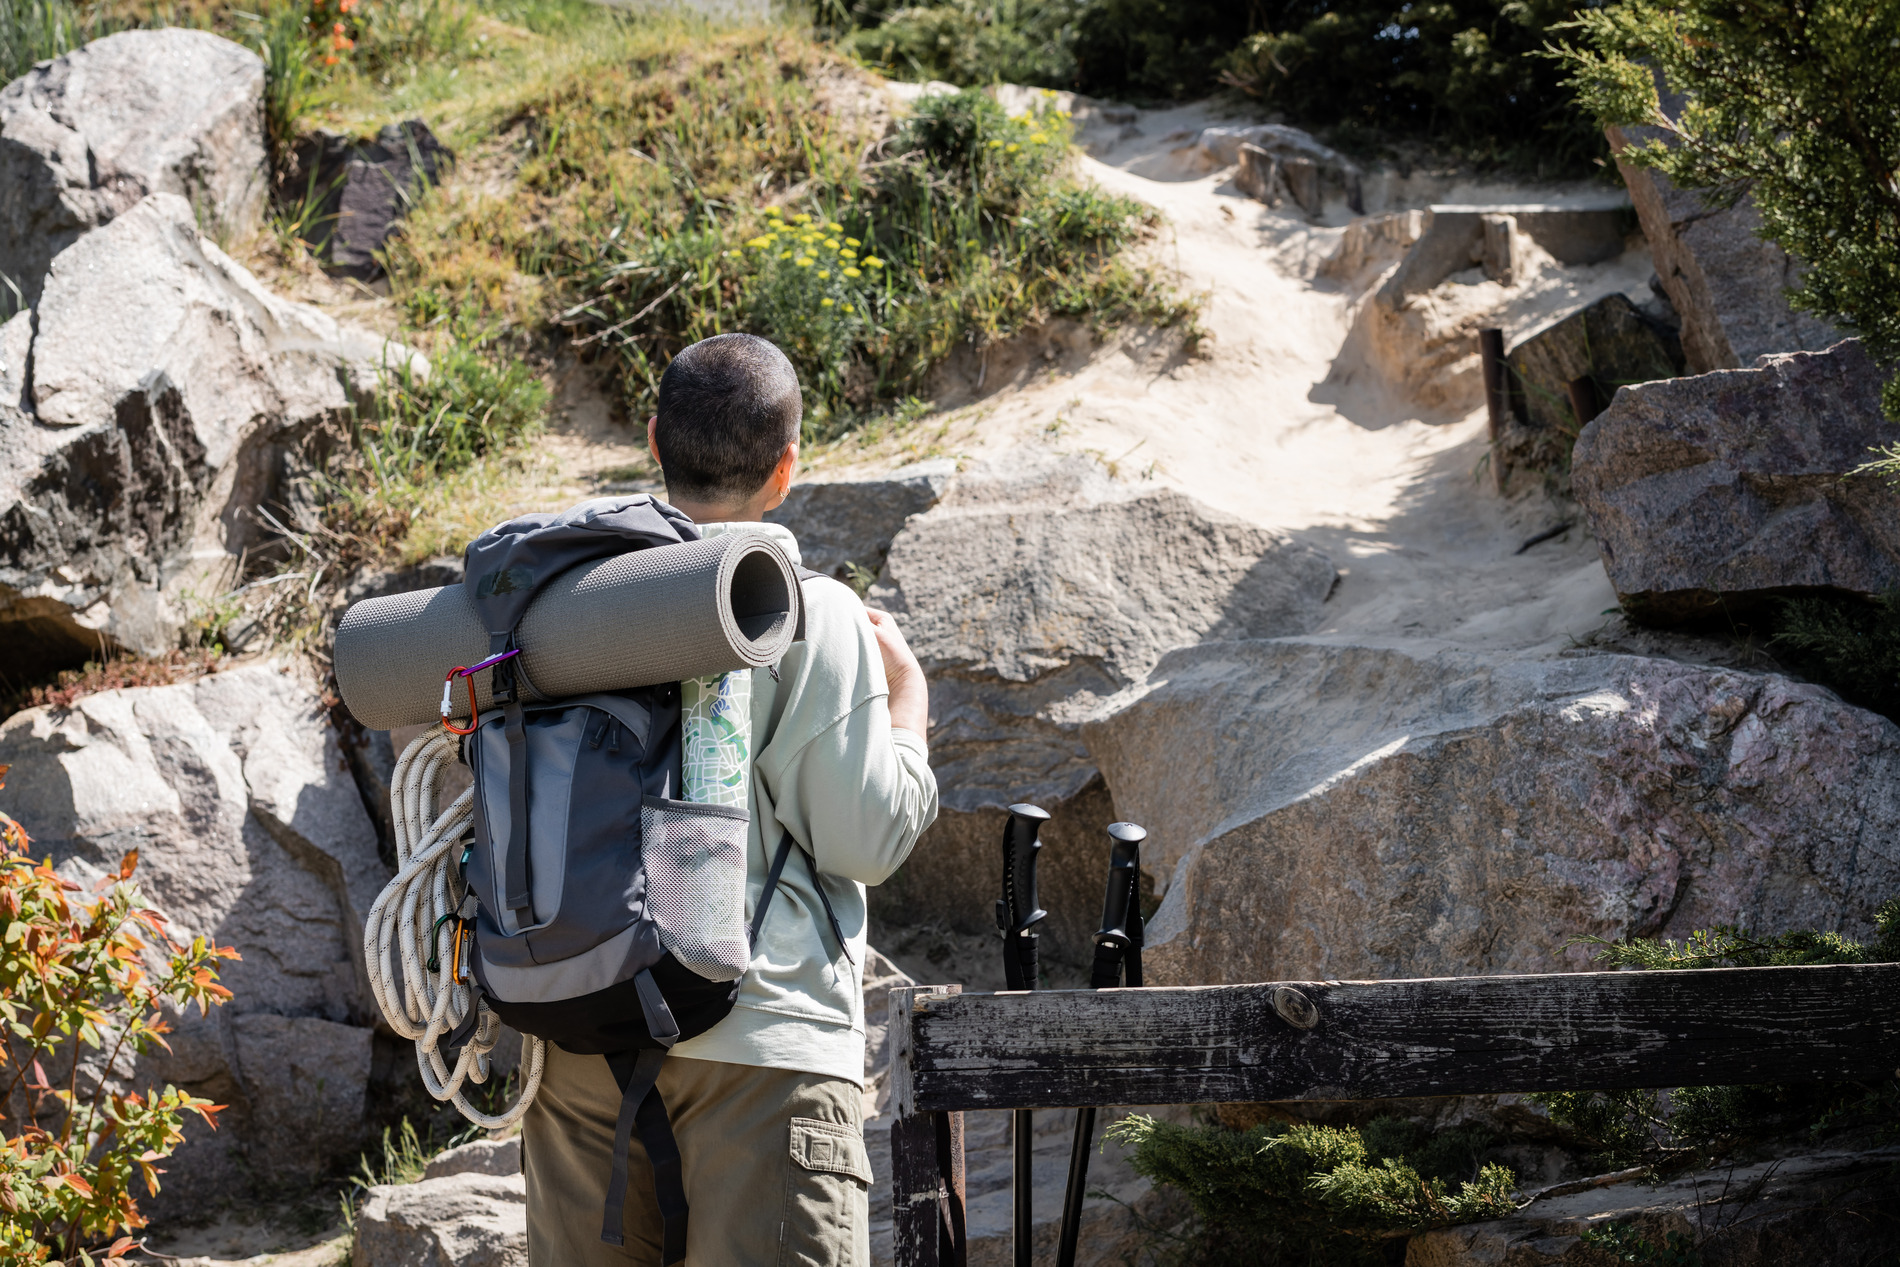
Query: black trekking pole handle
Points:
[1117, 946]
[1017, 915]
[1018, 911]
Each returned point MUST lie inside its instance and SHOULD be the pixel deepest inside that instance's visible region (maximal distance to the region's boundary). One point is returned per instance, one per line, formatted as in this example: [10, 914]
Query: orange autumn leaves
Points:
[85, 972]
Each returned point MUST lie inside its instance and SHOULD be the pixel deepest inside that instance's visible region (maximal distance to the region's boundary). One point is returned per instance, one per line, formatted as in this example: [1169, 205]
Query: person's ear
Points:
[653, 445]
[781, 482]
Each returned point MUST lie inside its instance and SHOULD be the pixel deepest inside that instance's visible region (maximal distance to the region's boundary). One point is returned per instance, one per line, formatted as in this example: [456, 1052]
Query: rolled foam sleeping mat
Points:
[663, 614]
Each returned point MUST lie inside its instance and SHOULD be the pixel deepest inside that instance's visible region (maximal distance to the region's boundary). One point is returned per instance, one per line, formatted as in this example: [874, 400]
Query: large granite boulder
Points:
[250, 831]
[1728, 282]
[845, 527]
[1322, 811]
[85, 137]
[164, 394]
[1821, 1209]
[461, 1220]
[1030, 594]
[1708, 494]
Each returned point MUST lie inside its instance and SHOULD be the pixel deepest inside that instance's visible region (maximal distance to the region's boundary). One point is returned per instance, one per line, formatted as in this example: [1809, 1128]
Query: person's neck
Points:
[750, 511]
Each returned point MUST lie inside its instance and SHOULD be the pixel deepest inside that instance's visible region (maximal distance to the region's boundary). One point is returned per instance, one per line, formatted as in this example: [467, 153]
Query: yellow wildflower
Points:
[1011, 148]
[824, 303]
[804, 261]
[759, 244]
[847, 255]
[835, 227]
[771, 213]
[996, 145]
[824, 274]
[801, 218]
[849, 308]
[831, 244]
[1037, 138]
[852, 242]
[854, 272]
[785, 255]
[872, 261]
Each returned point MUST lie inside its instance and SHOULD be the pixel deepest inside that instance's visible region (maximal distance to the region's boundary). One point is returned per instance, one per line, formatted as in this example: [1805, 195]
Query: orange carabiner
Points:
[474, 713]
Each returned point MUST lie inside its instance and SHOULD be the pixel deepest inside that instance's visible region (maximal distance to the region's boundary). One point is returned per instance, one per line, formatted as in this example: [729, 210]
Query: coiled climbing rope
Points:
[413, 934]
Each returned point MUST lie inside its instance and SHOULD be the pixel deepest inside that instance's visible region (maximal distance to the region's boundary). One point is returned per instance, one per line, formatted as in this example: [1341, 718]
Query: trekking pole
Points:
[1017, 914]
[1117, 950]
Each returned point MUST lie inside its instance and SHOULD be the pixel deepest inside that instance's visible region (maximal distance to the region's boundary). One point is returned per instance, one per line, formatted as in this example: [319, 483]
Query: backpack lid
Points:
[506, 566]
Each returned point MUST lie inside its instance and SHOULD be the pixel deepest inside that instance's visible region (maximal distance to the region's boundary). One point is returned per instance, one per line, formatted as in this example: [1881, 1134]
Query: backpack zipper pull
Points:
[613, 743]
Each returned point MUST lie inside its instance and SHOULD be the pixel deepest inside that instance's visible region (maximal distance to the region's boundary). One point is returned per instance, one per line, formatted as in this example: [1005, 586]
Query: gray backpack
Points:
[614, 923]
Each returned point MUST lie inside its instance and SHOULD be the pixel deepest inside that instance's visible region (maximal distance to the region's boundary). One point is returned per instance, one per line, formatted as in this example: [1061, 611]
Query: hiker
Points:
[766, 1106]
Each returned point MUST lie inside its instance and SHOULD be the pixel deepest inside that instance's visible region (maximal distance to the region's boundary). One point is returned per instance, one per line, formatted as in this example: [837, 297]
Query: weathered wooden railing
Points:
[1350, 1040]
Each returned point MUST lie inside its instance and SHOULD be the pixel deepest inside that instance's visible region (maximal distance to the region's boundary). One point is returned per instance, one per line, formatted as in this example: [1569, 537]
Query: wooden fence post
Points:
[927, 1213]
[1496, 396]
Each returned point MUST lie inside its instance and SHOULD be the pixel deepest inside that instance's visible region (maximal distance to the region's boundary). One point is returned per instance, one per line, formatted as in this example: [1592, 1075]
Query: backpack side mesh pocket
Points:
[695, 857]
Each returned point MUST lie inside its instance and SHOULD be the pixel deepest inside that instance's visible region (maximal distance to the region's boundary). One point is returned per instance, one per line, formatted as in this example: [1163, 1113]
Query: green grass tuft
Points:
[1319, 1194]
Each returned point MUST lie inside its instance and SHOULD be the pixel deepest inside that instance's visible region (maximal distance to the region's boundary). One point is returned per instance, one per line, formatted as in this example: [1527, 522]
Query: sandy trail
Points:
[1256, 426]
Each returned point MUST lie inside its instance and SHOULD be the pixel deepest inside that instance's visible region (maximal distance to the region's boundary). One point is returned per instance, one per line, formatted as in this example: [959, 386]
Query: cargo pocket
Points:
[695, 864]
[827, 1197]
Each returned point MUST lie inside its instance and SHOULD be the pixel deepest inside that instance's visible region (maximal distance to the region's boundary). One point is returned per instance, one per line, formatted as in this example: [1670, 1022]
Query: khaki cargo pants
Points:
[773, 1160]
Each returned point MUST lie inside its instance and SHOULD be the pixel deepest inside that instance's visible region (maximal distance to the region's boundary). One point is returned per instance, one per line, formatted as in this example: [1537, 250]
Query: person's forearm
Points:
[910, 704]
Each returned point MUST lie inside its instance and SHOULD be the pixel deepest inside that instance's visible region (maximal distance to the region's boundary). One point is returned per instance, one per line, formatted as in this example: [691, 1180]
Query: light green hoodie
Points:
[855, 793]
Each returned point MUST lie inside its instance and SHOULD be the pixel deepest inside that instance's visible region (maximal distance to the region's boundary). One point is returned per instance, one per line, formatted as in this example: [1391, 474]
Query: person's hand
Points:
[910, 695]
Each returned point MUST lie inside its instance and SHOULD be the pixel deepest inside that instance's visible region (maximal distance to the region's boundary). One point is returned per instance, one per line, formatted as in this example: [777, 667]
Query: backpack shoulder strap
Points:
[804, 574]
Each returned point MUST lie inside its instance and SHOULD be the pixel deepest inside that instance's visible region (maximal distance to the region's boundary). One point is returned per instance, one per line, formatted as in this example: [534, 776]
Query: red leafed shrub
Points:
[82, 984]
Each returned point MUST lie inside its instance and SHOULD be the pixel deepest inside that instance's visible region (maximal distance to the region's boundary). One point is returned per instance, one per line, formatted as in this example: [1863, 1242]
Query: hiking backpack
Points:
[615, 923]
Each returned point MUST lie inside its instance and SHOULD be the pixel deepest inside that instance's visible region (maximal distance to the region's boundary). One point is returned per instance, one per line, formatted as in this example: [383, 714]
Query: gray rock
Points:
[249, 831]
[844, 524]
[16, 342]
[1708, 494]
[1030, 594]
[1823, 1209]
[1258, 175]
[168, 393]
[1609, 342]
[1308, 172]
[478, 1157]
[465, 1220]
[1730, 285]
[85, 137]
[1373, 242]
[364, 188]
[1322, 811]
[1454, 239]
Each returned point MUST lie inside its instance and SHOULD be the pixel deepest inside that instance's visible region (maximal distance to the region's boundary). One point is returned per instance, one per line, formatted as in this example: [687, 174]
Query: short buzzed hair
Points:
[729, 405]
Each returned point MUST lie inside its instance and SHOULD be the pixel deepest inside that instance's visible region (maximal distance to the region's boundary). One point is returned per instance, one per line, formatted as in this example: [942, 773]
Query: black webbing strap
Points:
[824, 899]
[785, 846]
[518, 898]
[771, 887]
[636, 1072]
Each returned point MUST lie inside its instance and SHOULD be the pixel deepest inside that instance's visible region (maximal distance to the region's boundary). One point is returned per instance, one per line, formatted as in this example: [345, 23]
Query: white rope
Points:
[428, 1004]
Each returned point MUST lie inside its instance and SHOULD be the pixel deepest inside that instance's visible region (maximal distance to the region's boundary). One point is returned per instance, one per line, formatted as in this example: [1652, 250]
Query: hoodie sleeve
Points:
[855, 791]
